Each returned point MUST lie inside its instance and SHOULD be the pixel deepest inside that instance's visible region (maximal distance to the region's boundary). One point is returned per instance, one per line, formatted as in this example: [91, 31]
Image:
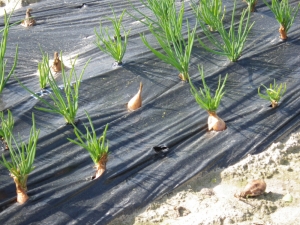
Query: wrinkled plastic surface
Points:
[155, 148]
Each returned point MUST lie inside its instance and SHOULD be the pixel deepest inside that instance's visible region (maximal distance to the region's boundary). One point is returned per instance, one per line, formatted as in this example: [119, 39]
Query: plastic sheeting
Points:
[155, 148]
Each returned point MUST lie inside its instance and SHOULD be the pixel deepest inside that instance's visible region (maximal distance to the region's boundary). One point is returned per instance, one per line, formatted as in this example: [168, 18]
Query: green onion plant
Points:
[251, 4]
[232, 40]
[97, 147]
[6, 126]
[162, 10]
[44, 70]
[273, 93]
[204, 98]
[210, 102]
[284, 14]
[4, 78]
[114, 46]
[176, 51]
[22, 156]
[210, 12]
[64, 102]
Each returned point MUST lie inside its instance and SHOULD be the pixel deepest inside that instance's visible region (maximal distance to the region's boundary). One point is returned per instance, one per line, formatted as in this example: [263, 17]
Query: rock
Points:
[253, 188]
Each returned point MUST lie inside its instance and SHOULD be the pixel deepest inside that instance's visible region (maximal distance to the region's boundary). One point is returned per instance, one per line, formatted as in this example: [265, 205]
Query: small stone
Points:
[253, 188]
[287, 198]
[207, 191]
[228, 221]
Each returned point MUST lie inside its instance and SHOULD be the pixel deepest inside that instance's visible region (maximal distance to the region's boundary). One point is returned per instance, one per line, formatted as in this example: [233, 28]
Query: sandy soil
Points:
[209, 198]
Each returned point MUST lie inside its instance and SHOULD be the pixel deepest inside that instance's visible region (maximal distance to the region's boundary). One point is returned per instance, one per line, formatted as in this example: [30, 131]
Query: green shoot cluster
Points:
[161, 11]
[204, 98]
[284, 13]
[3, 78]
[97, 147]
[44, 70]
[273, 93]
[64, 103]
[114, 46]
[22, 156]
[233, 40]
[6, 125]
[176, 51]
[251, 4]
[210, 13]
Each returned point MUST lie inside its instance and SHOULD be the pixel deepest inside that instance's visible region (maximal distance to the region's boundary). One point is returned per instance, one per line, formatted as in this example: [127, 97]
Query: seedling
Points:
[274, 93]
[114, 46]
[44, 70]
[210, 102]
[161, 11]
[176, 50]
[3, 78]
[22, 157]
[64, 103]
[97, 147]
[167, 29]
[233, 40]
[6, 126]
[284, 14]
[210, 12]
[251, 4]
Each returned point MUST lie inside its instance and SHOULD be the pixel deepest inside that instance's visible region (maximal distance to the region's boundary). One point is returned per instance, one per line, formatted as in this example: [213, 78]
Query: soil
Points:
[208, 199]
